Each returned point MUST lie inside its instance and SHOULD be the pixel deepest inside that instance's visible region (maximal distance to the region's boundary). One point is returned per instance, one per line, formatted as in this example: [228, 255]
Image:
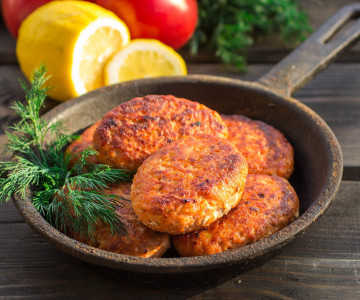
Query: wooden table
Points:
[324, 263]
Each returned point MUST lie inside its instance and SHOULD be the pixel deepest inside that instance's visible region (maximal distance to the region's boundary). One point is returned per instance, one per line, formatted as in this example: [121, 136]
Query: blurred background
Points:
[269, 48]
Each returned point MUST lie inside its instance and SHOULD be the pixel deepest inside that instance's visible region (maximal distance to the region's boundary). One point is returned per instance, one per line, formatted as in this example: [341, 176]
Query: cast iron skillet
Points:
[318, 161]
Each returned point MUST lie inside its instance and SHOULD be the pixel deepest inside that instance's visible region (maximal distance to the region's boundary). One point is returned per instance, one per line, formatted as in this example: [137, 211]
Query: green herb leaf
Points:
[70, 199]
[228, 27]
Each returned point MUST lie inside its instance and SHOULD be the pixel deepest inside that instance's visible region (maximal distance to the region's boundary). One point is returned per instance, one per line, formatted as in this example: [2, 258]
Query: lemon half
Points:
[74, 39]
[143, 58]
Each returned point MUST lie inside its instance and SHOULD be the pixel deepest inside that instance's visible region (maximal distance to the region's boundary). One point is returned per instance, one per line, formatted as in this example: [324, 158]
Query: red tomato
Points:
[15, 11]
[170, 21]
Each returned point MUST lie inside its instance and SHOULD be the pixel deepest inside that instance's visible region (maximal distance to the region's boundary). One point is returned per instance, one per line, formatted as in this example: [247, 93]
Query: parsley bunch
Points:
[71, 199]
[228, 27]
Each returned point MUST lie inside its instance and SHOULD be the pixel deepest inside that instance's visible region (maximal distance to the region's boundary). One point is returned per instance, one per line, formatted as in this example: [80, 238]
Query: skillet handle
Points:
[316, 53]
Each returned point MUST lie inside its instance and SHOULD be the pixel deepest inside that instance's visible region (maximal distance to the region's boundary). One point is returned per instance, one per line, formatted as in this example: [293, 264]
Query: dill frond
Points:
[71, 199]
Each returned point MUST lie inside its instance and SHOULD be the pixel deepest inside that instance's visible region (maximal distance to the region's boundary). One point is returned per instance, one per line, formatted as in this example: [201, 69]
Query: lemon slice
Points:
[74, 39]
[143, 58]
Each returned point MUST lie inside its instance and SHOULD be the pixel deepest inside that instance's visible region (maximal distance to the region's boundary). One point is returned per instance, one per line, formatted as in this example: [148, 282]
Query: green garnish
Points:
[71, 199]
[228, 27]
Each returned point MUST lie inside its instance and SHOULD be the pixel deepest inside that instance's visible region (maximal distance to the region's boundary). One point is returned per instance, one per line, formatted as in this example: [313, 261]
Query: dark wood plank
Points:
[334, 95]
[7, 44]
[9, 92]
[8, 214]
[7, 47]
[324, 263]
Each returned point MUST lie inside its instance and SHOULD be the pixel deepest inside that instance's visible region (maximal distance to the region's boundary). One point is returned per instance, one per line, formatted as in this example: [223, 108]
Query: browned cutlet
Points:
[268, 204]
[139, 241]
[265, 148]
[135, 129]
[188, 184]
[79, 145]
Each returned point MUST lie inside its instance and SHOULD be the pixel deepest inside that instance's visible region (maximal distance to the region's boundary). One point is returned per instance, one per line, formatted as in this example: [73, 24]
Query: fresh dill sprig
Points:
[227, 28]
[71, 199]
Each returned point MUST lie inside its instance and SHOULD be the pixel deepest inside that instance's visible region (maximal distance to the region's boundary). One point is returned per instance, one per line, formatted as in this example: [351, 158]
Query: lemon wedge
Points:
[74, 39]
[143, 58]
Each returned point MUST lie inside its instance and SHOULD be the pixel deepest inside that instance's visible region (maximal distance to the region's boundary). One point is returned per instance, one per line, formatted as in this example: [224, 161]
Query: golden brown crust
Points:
[265, 148]
[79, 145]
[139, 241]
[135, 129]
[268, 204]
[188, 184]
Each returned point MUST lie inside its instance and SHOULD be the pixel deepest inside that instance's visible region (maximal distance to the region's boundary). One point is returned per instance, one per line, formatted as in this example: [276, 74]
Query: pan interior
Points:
[308, 134]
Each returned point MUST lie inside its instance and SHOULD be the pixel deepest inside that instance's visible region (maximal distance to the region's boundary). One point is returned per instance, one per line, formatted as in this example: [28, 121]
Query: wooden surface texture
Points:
[324, 263]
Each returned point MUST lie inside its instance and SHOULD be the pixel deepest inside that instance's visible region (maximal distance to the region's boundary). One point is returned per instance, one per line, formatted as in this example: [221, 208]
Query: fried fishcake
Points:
[265, 148]
[79, 145]
[133, 130]
[268, 204]
[188, 184]
[139, 240]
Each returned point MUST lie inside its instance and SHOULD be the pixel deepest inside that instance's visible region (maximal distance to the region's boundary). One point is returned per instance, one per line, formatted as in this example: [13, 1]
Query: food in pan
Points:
[135, 129]
[265, 148]
[191, 185]
[84, 142]
[188, 184]
[139, 240]
[268, 204]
